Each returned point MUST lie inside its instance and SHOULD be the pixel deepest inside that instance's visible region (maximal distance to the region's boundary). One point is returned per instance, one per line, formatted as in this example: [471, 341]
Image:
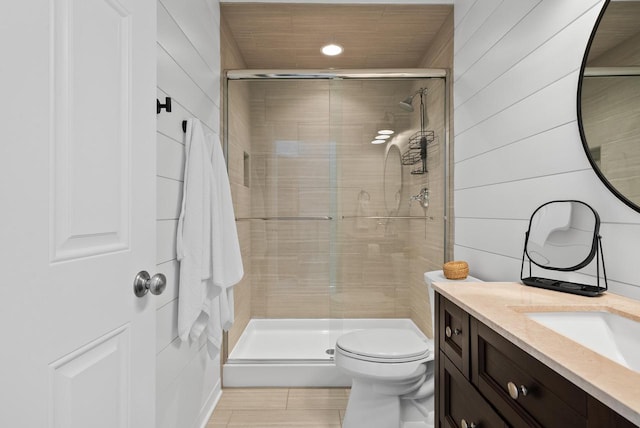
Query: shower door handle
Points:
[143, 283]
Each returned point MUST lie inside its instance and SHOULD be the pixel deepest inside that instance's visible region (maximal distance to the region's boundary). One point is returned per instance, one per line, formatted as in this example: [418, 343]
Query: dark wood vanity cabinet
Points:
[461, 404]
[484, 381]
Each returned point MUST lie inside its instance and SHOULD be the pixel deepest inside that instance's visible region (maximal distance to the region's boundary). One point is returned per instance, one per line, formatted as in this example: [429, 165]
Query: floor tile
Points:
[253, 398]
[280, 408]
[219, 418]
[298, 418]
[317, 398]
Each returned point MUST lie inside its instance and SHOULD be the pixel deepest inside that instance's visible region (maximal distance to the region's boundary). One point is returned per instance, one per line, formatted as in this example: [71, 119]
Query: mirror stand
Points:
[567, 286]
[564, 236]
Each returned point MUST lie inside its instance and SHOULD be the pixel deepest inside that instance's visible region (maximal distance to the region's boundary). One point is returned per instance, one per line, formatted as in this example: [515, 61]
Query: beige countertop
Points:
[502, 306]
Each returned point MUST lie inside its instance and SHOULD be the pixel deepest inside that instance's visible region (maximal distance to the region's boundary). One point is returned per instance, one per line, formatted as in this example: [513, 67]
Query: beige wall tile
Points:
[239, 144]
[297, 178]
[366, 301]
[298, 303]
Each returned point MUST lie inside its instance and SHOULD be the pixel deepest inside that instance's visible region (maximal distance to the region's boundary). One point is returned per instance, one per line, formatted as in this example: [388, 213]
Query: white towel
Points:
[191, 239]
[207, 242]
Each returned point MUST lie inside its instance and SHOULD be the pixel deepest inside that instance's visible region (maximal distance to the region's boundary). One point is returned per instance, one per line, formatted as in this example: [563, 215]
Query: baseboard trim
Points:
[209, 406]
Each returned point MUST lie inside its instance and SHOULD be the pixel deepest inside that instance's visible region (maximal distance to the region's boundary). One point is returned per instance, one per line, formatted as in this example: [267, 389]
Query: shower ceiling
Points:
[288, 35]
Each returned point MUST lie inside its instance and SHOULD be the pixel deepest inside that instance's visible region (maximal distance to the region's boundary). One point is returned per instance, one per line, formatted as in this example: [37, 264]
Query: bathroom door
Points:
[77, 159]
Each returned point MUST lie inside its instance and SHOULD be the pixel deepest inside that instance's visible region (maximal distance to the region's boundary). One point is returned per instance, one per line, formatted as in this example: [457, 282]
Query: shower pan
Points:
[320, 259]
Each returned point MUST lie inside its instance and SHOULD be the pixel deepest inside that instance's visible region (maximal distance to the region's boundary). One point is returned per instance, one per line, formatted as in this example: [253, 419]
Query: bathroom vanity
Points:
[498, 367]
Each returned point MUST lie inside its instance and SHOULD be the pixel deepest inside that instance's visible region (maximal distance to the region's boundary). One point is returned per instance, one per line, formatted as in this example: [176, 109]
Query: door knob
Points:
[144, 283]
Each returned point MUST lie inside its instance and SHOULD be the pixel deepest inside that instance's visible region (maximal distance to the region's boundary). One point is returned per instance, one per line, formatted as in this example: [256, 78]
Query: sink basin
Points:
[609, 334]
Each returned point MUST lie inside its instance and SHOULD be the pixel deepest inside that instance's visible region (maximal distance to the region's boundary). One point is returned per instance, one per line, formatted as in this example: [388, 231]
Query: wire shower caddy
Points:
[417, 150]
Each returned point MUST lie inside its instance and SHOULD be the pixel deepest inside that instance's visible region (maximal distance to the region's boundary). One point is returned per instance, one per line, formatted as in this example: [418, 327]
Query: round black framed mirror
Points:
[608, 101]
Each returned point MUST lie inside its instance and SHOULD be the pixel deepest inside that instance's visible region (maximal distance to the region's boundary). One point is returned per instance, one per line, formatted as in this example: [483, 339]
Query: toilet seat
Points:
[383, 346]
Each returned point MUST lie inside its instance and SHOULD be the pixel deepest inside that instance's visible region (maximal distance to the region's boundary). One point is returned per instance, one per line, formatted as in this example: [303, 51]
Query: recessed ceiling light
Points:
[385, 132]
[332, 50]
[378, 142]
[383, 137]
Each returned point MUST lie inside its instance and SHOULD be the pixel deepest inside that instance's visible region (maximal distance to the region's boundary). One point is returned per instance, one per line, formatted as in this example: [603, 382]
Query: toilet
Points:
[392, 372]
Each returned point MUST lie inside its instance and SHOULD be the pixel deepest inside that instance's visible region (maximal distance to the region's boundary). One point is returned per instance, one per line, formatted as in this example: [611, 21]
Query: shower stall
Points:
[340, 194]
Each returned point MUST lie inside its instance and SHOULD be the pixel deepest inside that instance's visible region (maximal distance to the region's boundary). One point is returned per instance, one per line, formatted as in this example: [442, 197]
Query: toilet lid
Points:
[392, 344]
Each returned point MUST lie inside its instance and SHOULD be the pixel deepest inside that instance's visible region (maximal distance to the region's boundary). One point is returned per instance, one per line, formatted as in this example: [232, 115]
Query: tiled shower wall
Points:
[239, 148]
[311, 156]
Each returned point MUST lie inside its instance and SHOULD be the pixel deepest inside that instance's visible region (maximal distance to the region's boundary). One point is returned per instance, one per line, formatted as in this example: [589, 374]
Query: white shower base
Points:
[293, 352]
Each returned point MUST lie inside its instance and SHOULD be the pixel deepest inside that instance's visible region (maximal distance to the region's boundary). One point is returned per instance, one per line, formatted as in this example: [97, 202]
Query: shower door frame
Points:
[348, 74]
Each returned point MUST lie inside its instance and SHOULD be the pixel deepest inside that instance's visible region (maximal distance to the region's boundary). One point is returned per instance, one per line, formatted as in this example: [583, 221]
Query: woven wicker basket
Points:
[456, 270]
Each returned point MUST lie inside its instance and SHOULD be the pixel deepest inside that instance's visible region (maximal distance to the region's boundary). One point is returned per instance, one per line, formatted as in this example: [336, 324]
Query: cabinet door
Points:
[460, 404]
[453, 333]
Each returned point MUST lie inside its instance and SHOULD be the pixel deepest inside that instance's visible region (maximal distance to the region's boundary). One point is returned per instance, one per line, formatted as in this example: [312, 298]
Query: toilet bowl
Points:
[392, 372]
[384, 364]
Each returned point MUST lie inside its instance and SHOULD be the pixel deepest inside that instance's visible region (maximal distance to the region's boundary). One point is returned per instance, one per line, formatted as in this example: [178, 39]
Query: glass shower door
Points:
[336, 242]
[293, 213]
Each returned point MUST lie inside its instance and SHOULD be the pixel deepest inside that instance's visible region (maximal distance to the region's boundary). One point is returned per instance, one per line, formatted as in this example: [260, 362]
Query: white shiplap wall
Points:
[517, 144]
[188, 49]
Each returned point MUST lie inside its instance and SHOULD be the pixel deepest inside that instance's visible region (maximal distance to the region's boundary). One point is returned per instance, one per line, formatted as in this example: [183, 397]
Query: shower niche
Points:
[321, 259]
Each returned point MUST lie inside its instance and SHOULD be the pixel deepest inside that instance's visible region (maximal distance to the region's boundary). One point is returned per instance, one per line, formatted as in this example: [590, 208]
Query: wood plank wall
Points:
[188, 49]
[517, 145]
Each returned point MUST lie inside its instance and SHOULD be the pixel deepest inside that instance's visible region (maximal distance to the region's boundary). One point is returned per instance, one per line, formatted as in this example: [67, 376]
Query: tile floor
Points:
[280, 407]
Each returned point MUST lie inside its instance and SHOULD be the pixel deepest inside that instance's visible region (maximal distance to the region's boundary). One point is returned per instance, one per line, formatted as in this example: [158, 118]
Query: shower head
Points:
[406, 103]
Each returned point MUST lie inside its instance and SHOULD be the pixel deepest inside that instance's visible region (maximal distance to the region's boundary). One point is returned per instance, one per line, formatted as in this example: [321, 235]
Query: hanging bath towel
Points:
[207, 242]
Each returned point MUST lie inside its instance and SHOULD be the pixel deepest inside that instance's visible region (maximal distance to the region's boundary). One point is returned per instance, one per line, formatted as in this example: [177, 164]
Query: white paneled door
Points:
[77, 158]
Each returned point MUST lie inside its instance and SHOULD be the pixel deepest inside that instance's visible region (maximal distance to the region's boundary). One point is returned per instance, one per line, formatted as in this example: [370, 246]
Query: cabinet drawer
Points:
[602, 416]
[460, 401]
[549, 399]
[453, 333]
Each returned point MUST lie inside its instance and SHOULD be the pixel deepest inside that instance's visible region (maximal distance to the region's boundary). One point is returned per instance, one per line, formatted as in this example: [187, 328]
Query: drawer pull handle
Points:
[449, 332]
[465, 424]
[515, 391]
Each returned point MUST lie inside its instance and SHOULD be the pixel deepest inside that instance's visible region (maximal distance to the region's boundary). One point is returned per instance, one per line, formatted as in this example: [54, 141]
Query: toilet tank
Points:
[438, 276]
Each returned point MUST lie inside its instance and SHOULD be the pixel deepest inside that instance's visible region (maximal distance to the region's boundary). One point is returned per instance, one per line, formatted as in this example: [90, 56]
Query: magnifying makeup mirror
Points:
[564, 236]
